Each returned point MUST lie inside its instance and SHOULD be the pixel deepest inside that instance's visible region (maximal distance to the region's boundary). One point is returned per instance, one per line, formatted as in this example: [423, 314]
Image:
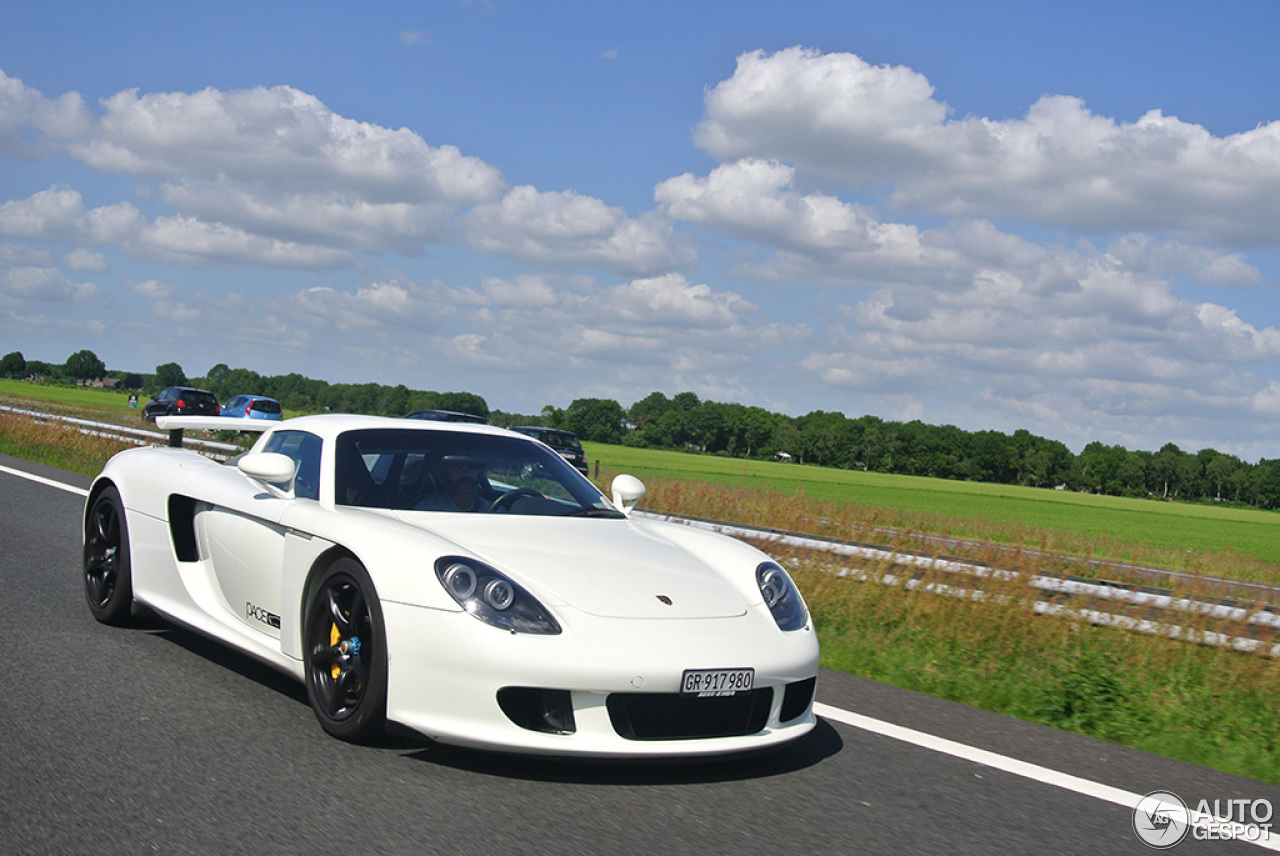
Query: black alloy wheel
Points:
[346, 668]
[108, 583]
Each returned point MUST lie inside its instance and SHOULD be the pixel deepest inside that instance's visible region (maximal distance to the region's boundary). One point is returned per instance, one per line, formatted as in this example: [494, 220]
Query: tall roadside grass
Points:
[1205, 705]
[56, 445]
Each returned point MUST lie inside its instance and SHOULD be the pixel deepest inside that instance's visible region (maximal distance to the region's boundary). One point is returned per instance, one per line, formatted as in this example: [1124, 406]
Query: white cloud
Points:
[23, 108]
[46, 285]
[855, 126]
[85, 260]
[189, 241]
[673, 303]
[23, 255]
[280, 138]
[273, 167]
[153, 289]
[567, 228]
[59, 214]
[331, 218]
[815, 237]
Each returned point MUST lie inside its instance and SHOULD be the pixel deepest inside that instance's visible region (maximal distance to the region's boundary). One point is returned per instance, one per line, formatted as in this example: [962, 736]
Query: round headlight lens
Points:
[499, 594]
[460, 580]
[773, 585]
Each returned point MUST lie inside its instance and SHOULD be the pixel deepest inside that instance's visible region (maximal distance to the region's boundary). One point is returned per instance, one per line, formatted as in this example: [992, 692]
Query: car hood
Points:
[608, 568]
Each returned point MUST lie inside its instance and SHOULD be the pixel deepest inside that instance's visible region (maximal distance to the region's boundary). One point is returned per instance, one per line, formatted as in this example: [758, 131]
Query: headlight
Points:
[781, 596]
[492, 598]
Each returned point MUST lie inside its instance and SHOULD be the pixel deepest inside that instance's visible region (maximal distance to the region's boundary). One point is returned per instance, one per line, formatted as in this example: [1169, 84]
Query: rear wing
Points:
[175, 425]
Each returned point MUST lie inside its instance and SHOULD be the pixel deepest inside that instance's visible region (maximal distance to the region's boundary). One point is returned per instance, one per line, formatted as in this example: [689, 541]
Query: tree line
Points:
[823, 438]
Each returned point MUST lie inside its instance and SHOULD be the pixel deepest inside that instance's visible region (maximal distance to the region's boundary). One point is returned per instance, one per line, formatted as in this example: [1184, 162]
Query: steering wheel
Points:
[503, 503]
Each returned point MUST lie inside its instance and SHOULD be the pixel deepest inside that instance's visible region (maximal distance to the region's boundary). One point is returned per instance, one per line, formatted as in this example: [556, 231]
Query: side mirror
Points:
[627, 491]
[272, 470]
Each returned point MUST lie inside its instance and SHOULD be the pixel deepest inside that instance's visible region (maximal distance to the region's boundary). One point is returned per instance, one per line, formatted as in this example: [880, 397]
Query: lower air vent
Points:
[796, 699]
[671, 716]
[549, 711]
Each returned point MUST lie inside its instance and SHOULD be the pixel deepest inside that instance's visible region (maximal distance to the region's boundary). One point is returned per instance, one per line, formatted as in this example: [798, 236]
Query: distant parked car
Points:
[180, 401]
[252, 407]
[565, 443]
[447, 416]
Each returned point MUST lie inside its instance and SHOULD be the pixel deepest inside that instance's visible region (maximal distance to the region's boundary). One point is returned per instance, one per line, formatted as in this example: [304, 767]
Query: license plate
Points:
[717, 682]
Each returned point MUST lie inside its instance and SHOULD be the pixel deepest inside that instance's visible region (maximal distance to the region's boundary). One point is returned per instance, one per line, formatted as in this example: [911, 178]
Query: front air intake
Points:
[671, 716]
[548, 711]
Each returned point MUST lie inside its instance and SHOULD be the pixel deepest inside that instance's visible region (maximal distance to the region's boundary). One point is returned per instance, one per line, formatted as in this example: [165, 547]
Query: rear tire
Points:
[346, 666]
[108, 574]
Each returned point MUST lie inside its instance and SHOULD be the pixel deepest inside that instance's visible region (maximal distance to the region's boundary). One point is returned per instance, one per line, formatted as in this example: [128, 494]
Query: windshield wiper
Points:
[595, 512]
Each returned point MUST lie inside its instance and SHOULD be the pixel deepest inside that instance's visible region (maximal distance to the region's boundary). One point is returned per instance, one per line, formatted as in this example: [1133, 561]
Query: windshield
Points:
[452, 471]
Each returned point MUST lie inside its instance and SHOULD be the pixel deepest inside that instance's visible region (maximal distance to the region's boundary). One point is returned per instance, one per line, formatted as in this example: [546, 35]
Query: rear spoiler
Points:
[175, 425]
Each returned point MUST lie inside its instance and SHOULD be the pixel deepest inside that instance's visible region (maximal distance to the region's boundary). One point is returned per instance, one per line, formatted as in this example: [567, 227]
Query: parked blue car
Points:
[252, 407]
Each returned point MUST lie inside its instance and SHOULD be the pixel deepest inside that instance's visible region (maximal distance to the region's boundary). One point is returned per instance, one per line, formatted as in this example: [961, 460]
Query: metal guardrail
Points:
[1239, 624]
[137, 436]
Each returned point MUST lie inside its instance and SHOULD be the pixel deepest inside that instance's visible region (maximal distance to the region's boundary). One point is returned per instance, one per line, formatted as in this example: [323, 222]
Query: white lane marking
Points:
[1035, 772]
[44, 481]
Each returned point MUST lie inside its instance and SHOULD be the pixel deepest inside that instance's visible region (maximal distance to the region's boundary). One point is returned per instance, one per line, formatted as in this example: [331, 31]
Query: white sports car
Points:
[459, 580]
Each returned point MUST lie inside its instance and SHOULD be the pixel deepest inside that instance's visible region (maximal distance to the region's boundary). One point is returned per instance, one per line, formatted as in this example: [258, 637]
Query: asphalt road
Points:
[126, 741]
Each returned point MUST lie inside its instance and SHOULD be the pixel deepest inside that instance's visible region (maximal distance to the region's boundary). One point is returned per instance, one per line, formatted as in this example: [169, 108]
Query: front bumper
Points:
[603, 688]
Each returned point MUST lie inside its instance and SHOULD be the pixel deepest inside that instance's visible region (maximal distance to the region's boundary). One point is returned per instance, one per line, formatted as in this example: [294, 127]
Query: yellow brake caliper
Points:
[334, 636]
[346, 648]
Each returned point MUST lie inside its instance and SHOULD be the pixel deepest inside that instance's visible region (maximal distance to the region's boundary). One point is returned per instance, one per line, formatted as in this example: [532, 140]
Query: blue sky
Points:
[1063, 218]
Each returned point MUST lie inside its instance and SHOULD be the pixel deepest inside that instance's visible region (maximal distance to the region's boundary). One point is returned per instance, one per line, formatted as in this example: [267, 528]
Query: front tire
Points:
[108, 574]
[346, 668]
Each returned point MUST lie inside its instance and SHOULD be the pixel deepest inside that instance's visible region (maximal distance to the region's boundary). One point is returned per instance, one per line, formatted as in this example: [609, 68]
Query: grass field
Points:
[75, 397]
[1177, 535]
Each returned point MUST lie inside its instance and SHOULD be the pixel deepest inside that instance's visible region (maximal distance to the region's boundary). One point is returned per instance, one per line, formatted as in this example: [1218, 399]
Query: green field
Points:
[16, 391]
[973, 507]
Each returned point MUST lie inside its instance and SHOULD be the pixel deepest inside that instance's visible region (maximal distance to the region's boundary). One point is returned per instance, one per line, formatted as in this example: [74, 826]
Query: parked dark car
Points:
[180, 401]
[446, 416]
[566, 443]
[252, 407]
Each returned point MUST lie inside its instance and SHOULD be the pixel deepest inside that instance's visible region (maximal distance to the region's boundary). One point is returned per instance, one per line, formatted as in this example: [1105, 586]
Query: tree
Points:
[670, 431]
[600, 420]
[553, 417]
[752, 429]
[649, 409]
[13, 365]
[686, 401]
[85, 365]
[1164, 470]
[1264, 482]
[1220, 472]
[463, 402]
[170, 374]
